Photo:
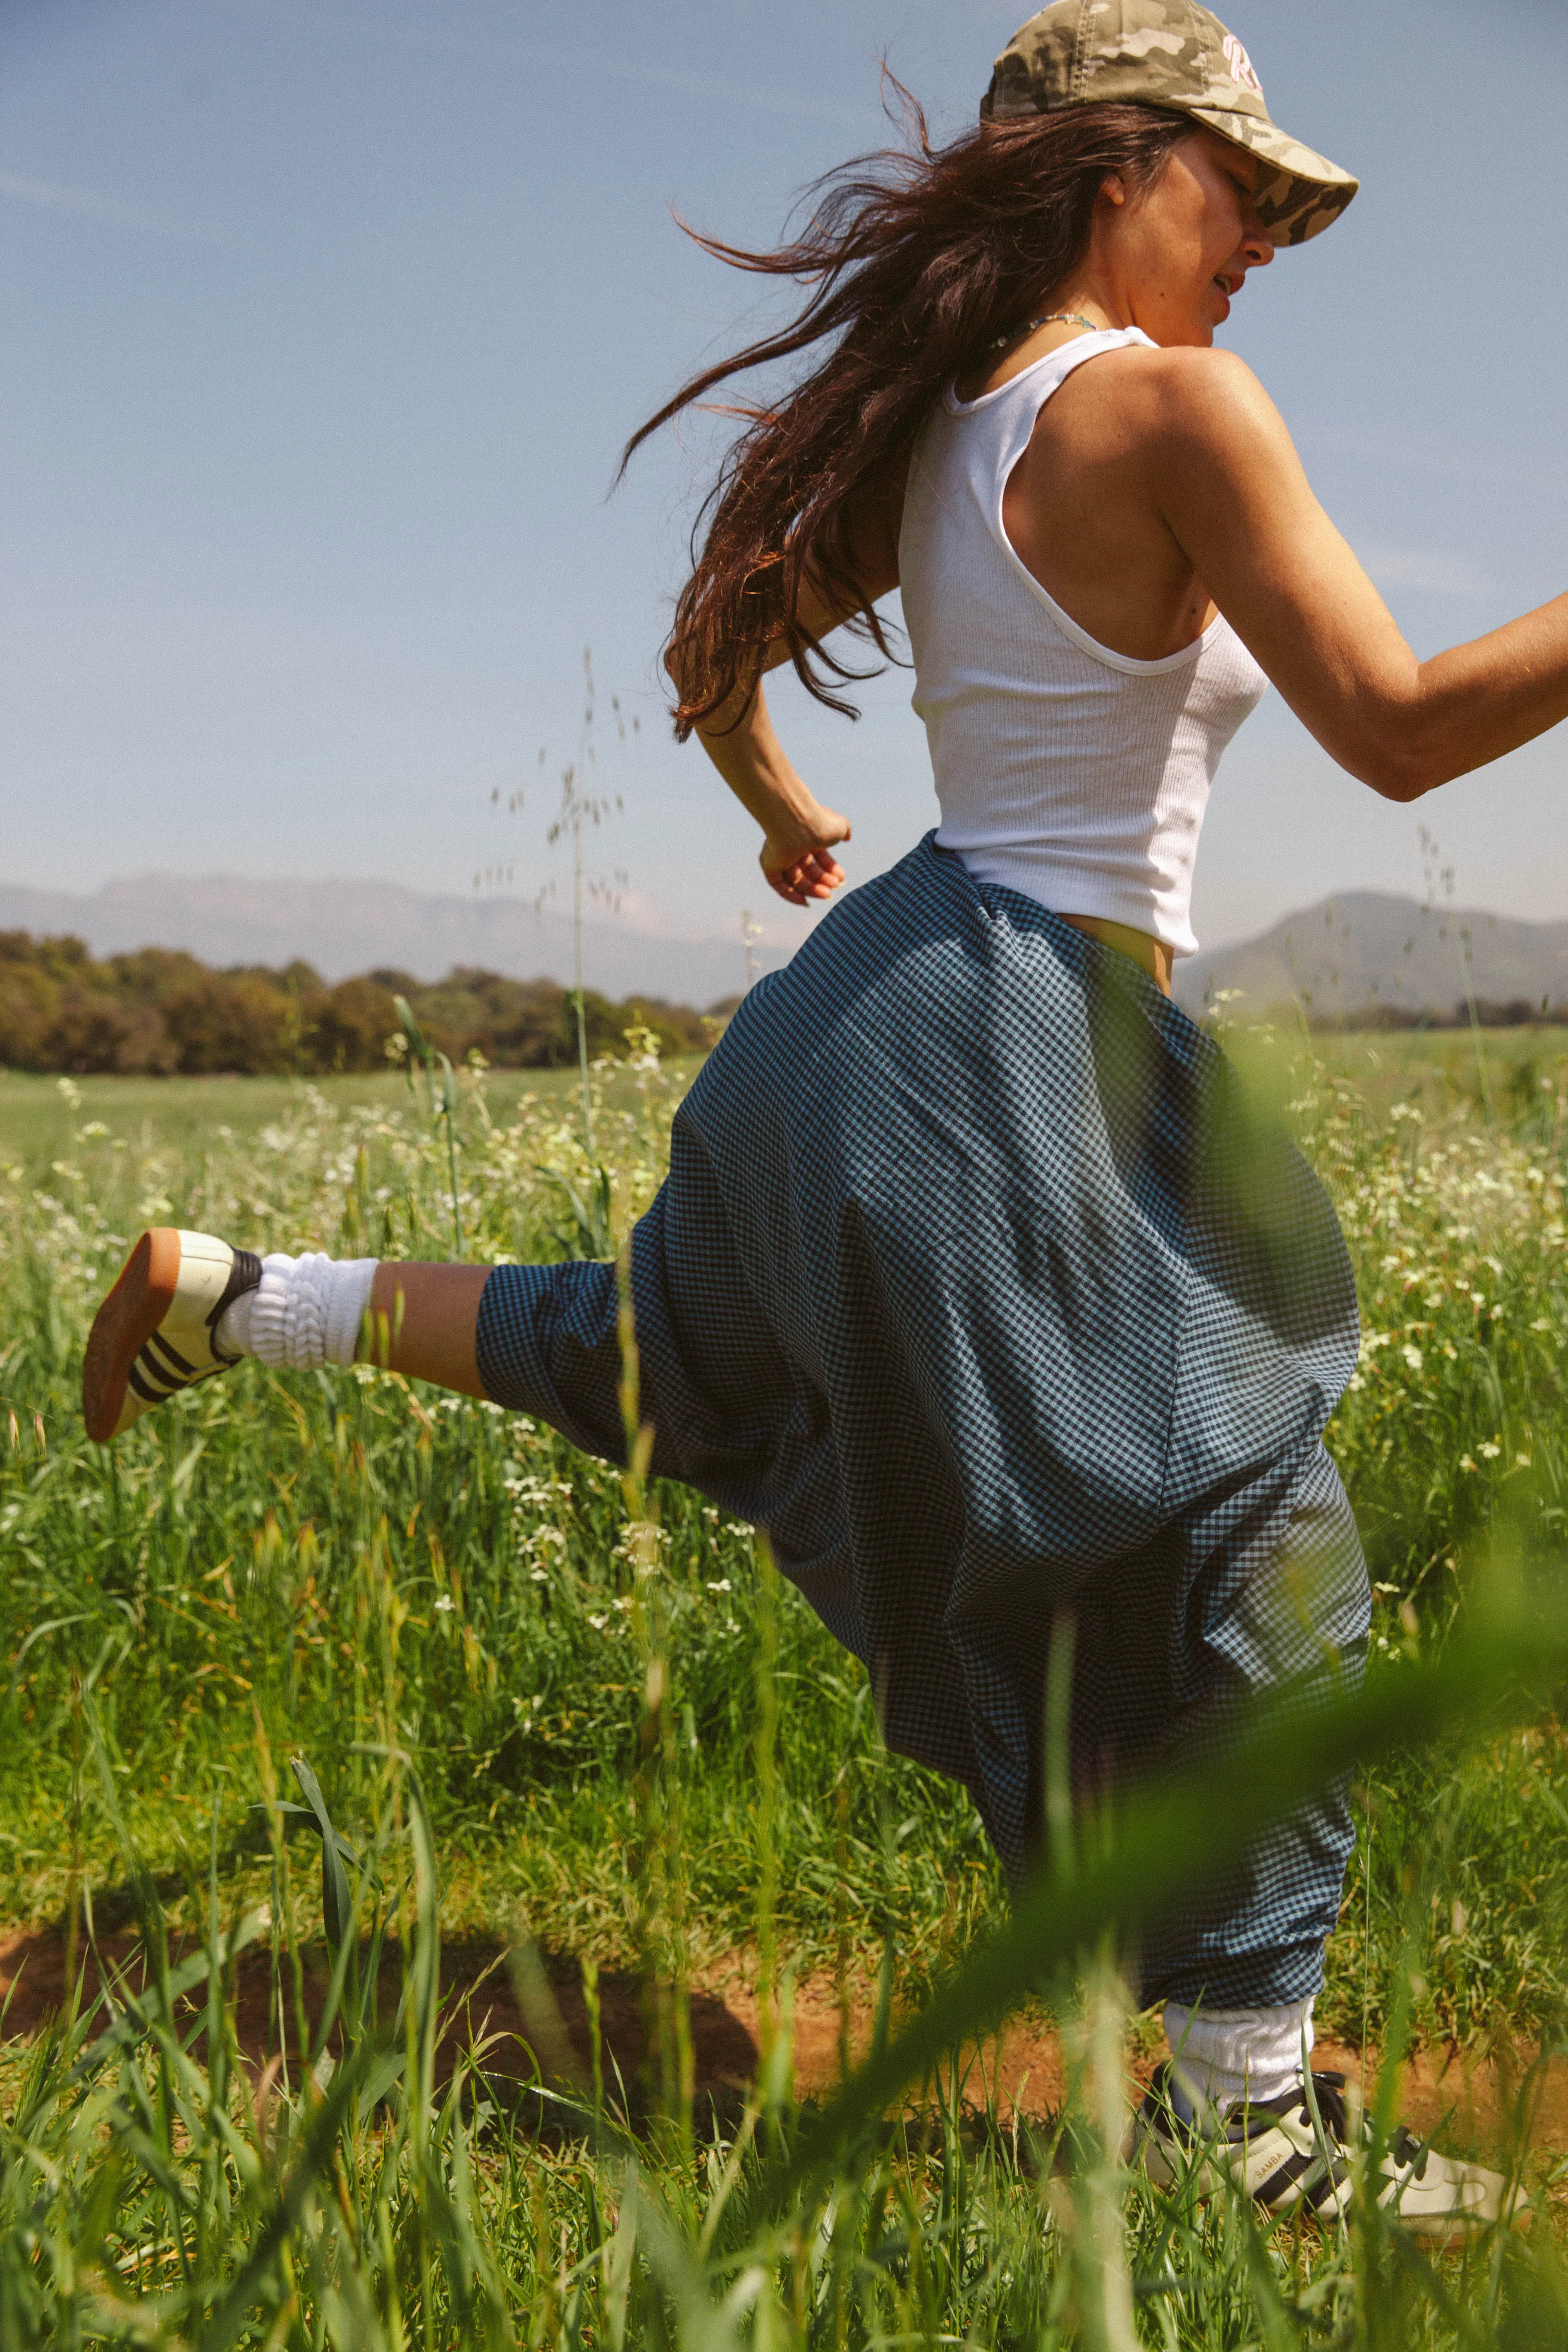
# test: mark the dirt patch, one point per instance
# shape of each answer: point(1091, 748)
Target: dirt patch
point(527, 2020)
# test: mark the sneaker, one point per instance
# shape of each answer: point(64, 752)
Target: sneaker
point(1288, 2162)
point(156, 1332)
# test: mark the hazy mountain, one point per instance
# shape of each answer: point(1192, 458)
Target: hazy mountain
point(353, 927)
point(1366, 949)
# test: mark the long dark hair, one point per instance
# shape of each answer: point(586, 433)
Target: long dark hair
point(918, 259)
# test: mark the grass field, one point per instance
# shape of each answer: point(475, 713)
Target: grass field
point(576, 1728)
point(184, 1118)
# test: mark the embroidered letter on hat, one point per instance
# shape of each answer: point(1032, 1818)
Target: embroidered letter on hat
point(1240, 64)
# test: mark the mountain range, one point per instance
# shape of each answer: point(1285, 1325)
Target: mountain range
point(1361, 948)
point(1365, 948)
point(344, 927)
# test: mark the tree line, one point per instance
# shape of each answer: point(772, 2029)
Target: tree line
point(1484, 1012)
point(160, 1012)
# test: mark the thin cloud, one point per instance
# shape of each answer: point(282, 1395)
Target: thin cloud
point(587, 65)
point(1427, 568)
point(1430, 453)
point(733, 94)
point(85, 203)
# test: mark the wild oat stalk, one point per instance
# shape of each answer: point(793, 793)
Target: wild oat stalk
point(580, 809)
point(443, 1106)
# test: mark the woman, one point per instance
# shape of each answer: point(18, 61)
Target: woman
point(970, 1281)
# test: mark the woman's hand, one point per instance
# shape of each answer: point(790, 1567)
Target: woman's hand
point(798, 833)
point(797, 858)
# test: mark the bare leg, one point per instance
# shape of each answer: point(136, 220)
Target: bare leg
point(424, 1320)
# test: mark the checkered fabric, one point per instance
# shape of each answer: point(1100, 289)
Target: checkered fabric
point(974, 1282)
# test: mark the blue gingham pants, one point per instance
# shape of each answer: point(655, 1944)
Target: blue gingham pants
point(976, 1285)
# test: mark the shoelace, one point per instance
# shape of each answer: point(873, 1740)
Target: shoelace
point(1329, 2090)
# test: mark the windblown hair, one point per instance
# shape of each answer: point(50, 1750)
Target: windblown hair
point(918, 260)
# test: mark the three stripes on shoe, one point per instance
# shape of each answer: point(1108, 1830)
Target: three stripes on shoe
point(159, 1371)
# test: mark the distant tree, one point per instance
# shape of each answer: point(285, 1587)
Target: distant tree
point(93, 1034)
point(226, 1021)
point(158, 1011)
point(1518, 1013)
point(347, 1027)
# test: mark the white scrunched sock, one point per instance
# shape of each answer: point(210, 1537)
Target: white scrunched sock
point(1225, 2054)
point(305, 1312)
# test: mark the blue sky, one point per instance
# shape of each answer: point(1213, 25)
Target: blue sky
point(323, 321)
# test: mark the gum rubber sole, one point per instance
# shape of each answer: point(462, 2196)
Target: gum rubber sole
point(122, 1326)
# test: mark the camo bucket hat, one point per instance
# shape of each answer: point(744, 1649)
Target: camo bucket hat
point(1171, 54)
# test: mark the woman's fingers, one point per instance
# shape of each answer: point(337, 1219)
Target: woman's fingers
point(809, 871)
point(813, 876)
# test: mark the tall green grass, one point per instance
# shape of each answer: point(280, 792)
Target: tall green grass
point(548, 1700)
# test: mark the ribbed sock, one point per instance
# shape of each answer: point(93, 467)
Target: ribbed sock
point(305, 1312)
point(1225, 2054)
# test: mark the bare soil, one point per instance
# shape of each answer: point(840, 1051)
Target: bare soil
point(530, 2019)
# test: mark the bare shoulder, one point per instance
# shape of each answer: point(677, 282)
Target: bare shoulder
point(1196, 399)
point(1168, 405)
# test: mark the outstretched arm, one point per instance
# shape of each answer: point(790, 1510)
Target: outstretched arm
point(799, 835)
point(1226, 476)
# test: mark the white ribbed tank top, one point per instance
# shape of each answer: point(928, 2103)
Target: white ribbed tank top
point(1072, 774)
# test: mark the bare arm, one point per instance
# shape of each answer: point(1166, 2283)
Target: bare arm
point(423, 1320)
point(1226, 476)
point(799, 834)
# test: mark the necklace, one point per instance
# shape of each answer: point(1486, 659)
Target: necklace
point(1046, 319)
